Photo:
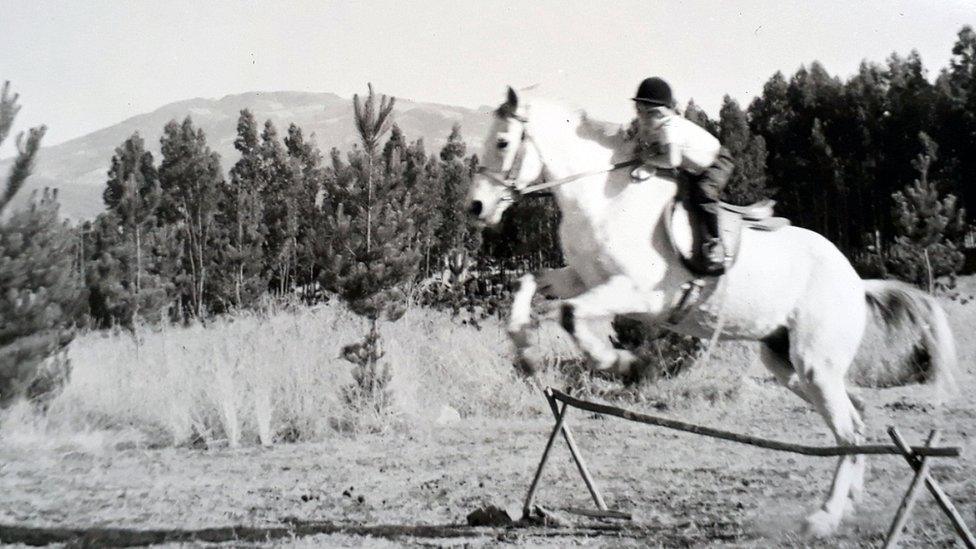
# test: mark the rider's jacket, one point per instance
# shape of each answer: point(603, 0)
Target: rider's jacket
point(692, 148)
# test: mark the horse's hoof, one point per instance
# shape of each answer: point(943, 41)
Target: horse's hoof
point(518, 334)
point(625, 367)
point(624, 363)
point(529, 361)
point(820, 524)
point(849, 505)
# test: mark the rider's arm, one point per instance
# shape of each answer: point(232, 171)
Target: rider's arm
point(667, 155)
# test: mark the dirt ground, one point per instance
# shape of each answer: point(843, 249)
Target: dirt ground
point(416, 488)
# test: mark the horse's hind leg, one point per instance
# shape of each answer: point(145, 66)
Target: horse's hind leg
point(831, 400)
point(775, 361)
point(821, 370)
point(779, 365)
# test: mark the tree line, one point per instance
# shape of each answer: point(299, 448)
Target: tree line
point(882, 164)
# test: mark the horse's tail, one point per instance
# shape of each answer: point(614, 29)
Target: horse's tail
point(900, 305)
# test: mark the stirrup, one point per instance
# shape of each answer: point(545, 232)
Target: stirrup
point(690, 295)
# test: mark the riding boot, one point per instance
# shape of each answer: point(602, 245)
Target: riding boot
point(712, 247)
point(713, 251)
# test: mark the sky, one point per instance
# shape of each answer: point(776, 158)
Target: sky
point(83, 65)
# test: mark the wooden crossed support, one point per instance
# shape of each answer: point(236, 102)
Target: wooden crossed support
point(560, 414)
point(918, 458)
point(921, 466)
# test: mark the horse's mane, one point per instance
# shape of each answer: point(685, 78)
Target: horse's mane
point(606, 133)
point(546, 113)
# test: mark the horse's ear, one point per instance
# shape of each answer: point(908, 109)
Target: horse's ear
point(512, 99)
point(510, 106)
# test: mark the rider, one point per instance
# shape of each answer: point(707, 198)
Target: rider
point(666, 140)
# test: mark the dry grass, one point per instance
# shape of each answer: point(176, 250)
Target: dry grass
point(277, 377)
point(266, 378)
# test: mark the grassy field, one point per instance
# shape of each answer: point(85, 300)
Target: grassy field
point(167, 432)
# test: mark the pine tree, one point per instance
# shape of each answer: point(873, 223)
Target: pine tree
point(282, 182)
point(396, 146)
point(125, 283)
point(422, 175)
point(192, 186)
point(697, 115)
point(26, 149)
point(404, 168)
point(836, 151)
point(367, 252)
point(909, 109)
point(861, 133)
point(242, 214)
point(456, 234)
point(41, 294)
point(799, 122)
point(824, 172)
point(104, 272)
point(927, 226)
point(748, 181)
point(955, 127)
point(307, 159)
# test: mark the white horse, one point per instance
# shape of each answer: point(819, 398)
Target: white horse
point(790, 289)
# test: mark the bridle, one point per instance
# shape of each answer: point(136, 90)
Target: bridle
point(509, 180)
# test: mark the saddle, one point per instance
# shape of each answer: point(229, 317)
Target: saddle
point(685, 227)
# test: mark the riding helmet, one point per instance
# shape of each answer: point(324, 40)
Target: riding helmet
point(655, 91)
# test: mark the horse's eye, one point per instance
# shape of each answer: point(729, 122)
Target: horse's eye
point(502, 143)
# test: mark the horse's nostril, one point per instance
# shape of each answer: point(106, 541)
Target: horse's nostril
point(475, 208)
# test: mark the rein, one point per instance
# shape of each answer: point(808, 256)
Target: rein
point(568, 179)
point(508, 179)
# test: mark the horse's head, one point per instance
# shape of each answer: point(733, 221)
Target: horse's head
point(510, 162)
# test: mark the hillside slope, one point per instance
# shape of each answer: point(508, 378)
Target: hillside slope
point(78, 167)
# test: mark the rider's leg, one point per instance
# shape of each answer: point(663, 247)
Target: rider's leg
point(706, 189)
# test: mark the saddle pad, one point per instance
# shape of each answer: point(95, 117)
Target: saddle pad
point(684, 229)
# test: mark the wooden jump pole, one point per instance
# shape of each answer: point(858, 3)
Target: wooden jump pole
point(951, 451)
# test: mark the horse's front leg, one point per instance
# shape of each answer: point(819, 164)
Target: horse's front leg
point(553, 283)
point(616, 296)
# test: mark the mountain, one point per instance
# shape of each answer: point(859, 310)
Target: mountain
point(78, 168)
